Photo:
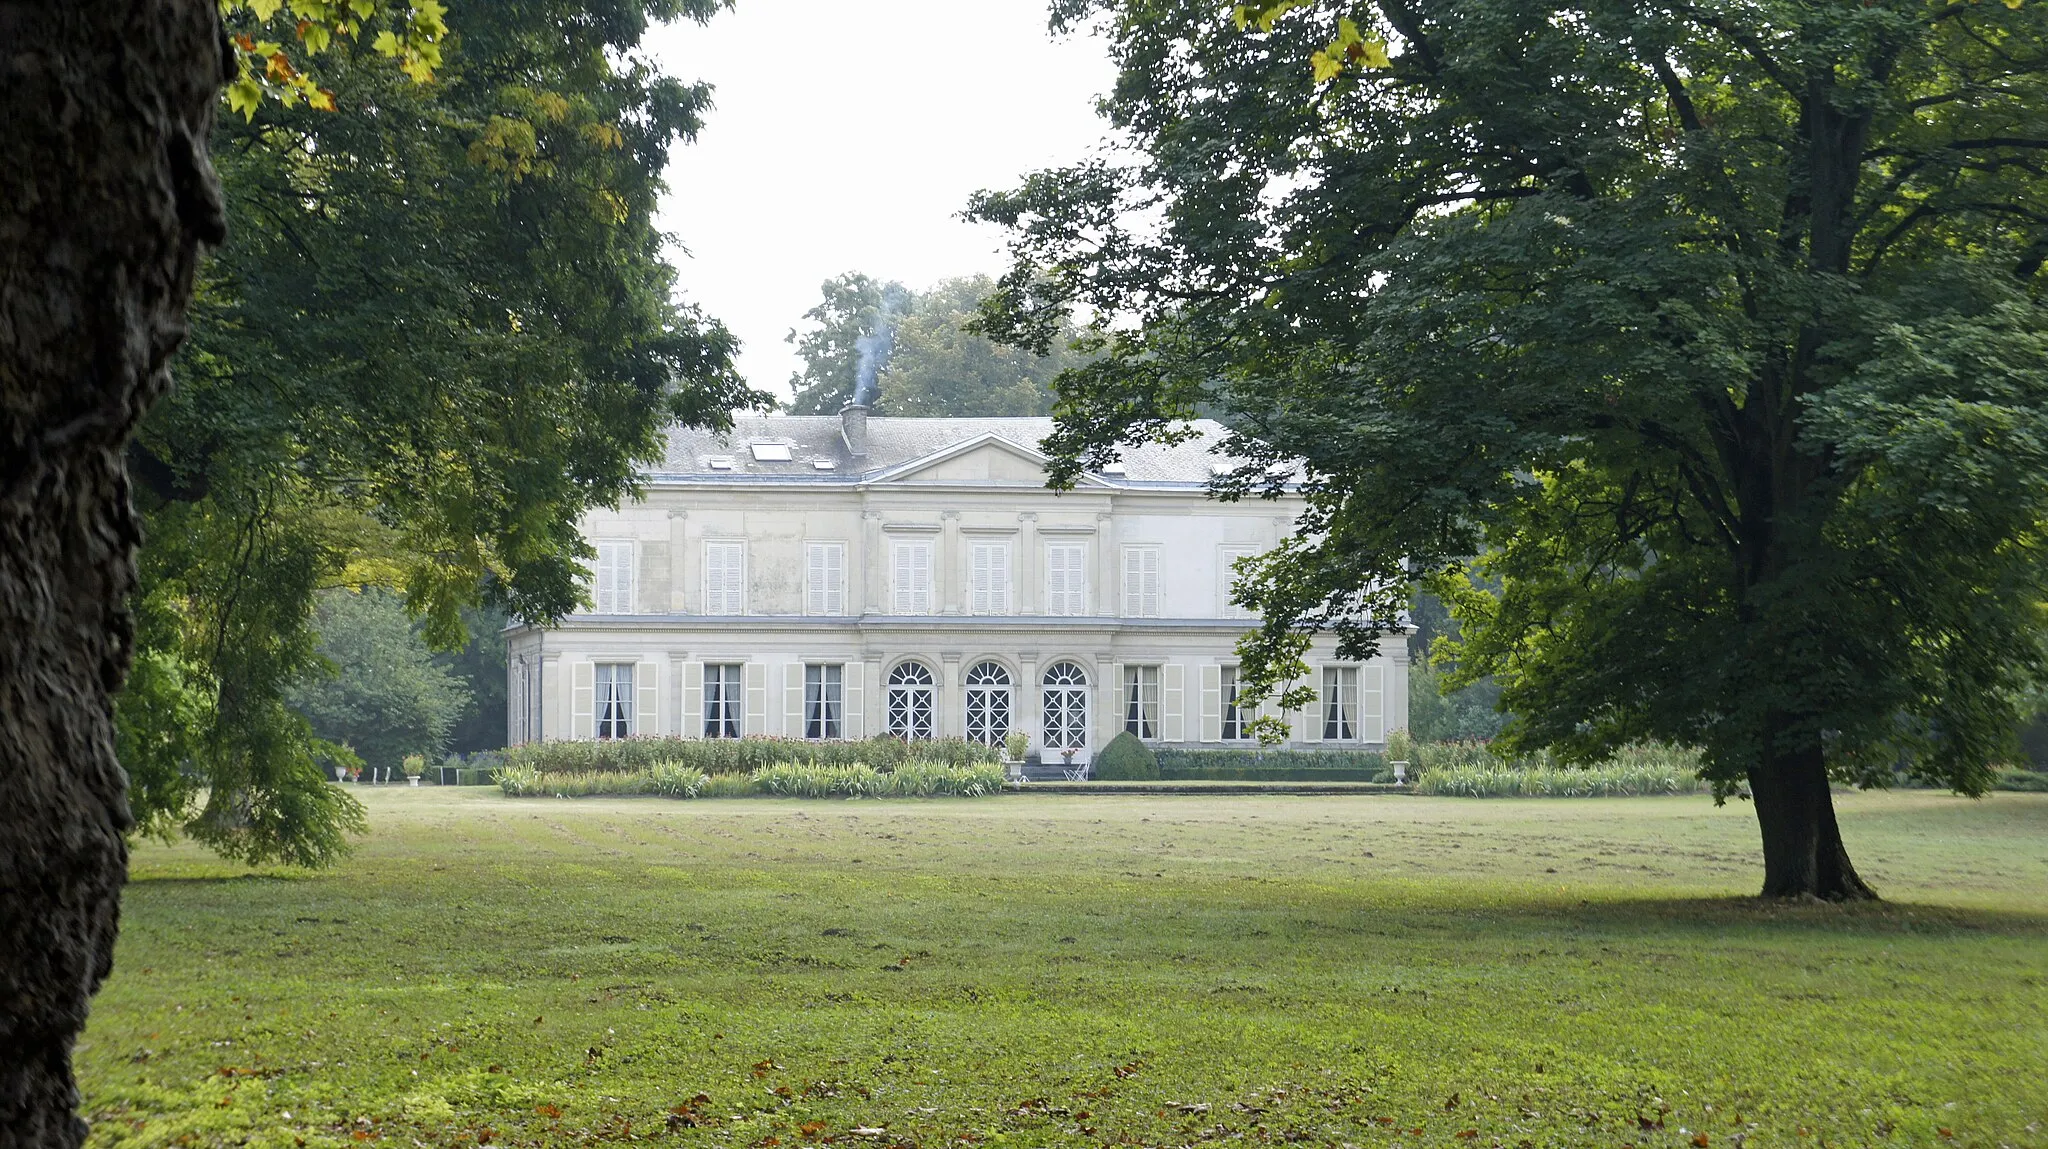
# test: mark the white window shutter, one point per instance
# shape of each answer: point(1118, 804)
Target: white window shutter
point(724, 578)
point(646, 699)
point(582, 700)
point(1312, 718)
point(922, 562)
point(1372, 723)
point(852, 724)
point(693, 700)
point(999, 579)
point(1212, 704)
point(900, 590)
point(1148, 566)
point(756, 677)
point(1133, 583)
point(1173, 726)
point(835, 579)
point(814, 579)
point(977, 601)
point(793, 700)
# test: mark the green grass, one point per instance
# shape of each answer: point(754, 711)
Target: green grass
point(1051, 969)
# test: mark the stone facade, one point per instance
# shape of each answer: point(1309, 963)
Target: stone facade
point(846, 577)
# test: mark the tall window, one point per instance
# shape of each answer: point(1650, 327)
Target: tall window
point(1066, 707)
point(723, 700)
point(1227, 577)
point(1340, 703)
point(988, 703)
point(991, 593)
point(823, 701)
point(1141, 701)
point(910, 701)
point(614, 590)
point(825, 578)
point(1066, 579)
point(614, 699)
point(725, 578)
point(1234, 721)
point(1141, 582)
point(910, 579)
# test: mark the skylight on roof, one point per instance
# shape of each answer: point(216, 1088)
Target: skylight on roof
point(771, 452)
point(1221, 469)
point(719, 462)
point(824, 464)
point(1112, 468)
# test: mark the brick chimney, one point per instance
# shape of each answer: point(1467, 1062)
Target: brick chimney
point(853, 427)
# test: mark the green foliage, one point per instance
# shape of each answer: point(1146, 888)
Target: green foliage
point(2029, 781)
point(937, 364)
point(480, 665)
point(441, 331)
point(267, 33)
point(737, 755)
point(387, 699)
point(1271, 765)
point(1439, 715)
point(1125, 759)
point(1716, 328)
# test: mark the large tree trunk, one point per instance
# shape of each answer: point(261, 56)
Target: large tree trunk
point(1803, 852)
point(105, 197)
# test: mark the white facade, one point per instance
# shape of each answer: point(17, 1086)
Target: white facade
point(813, 577)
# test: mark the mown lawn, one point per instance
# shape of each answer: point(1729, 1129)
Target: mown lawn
point(1097, 970)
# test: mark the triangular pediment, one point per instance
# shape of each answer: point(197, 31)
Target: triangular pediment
point(986, 459)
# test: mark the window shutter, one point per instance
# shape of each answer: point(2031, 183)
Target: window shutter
point(1212, 704)
point(582, 700)
point(793, 700)
point(852, 719)
point(693, 700)
point(1056, 580)
point(999, 579)
point(1173, 726)
point(724, 578)
point(1148, 585)
point(1113, 691)
point(646, 699)
point(756, 677)
point(900, 587)
point(1372, 726)
point(1133, 583)
point(814, 579)
point(835, 579)
point(921, 572)
point(1312, 718)
point(978, 596)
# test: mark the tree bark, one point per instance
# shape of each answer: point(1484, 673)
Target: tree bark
point(1803, 852)
point(105, 197)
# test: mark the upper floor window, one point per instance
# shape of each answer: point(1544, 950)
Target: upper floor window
point(991, 582)
point(1066, 579)
point(1141, 701)
point(910, 579)
point(614, 699)
point(1226, 577)
point(1235, 722)
point(614, 589)
point(825, 578)
point(723, 700)
point(1141, 582)
point(1340, 703)
point(725, 578)
point(824, 700)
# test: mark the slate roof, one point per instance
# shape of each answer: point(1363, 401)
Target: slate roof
point(895, 442)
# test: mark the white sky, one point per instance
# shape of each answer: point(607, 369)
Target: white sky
point(847, 136)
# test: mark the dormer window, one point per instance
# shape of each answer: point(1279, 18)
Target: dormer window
point(770, 452)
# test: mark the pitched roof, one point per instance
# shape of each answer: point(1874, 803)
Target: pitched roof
point(893, 443)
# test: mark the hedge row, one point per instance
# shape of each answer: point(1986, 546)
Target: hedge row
point(736, 755)
point(916, 778)
point(1273, 766)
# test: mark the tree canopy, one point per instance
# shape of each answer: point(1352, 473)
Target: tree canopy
point(1714, 327)
point(442, 330)
point(387, 696)
point(933, 362)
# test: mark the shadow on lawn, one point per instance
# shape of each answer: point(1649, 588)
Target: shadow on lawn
point(1724, 913)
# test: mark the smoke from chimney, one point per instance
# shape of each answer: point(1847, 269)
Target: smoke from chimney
point(875, 346)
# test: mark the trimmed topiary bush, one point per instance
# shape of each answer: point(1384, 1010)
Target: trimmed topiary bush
point(1126, 759)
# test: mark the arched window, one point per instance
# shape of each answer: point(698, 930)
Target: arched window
point(910, 701)
point(988, 703)
point(1066, 707)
